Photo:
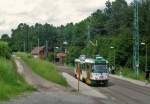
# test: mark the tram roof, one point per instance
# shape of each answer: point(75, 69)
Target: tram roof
point(90, 60)
point(87, 60)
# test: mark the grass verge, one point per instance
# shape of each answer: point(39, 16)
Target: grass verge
point(11, 83)
point(129, 73)
point(44, 69)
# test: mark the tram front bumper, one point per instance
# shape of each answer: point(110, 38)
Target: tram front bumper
point(98, 82)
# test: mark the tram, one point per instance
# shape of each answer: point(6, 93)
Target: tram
point(92, 71)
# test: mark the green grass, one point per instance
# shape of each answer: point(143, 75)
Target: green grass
point(44, 69)
point(11, 83)
point(129, 73)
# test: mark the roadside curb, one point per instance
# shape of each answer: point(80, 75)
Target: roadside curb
point(84, 89)
point(137, 82)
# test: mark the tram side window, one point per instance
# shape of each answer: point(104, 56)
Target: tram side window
point(82, 66)
point(88, 67)
point(76, 65)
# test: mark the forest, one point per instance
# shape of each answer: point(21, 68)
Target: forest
point(105, 28)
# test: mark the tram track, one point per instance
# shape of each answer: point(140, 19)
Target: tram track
point(125, 92)
point(120, 91)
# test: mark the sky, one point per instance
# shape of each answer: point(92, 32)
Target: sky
point(56, 12)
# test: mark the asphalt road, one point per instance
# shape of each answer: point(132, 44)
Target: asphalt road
point(123, 92)
point(120, 91)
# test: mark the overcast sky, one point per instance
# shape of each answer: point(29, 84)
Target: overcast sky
point(57, 12)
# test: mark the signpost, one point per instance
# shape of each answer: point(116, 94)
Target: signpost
point(78, 77)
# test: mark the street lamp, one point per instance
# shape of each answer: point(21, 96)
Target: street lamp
point(65, 43)
point(112, 47)
point(114, 56)
point(143, 43)
point(55, 48)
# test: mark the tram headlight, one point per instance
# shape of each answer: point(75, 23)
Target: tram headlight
point(105, 76)
point(92, 76)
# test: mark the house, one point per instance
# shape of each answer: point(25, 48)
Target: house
point(60, 56)
point(38, 52)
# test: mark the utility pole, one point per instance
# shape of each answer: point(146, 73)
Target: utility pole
point(46, 50)
point(146, 69)
point(24, 46)
point(27, 40)
point(145, 44)
point(38, 41)
point(136, 39)
point(88, 33)
point(114, 57)
point(38, 48)
point(31, 47)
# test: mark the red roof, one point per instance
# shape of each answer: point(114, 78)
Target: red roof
point(36, 50)
point(61, 54)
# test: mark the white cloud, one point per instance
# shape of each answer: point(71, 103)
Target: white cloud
point(57, 12)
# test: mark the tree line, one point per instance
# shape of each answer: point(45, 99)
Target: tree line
point(110, 27)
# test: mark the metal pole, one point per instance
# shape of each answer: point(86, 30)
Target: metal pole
point(114, 58)
point(136, 39)
point(31, 47)
point(78, 77)
point(46, 50)
point(38, 48)
point(88, 33)
point(145, 56)
point(27, 41)
point(24, 46)
point(54, 54)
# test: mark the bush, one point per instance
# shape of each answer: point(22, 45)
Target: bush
point(51, 57)
point(4, 50)
point(130, 73)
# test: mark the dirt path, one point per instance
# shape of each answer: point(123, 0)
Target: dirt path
point(33, 79)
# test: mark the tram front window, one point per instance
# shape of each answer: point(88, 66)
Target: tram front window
point(99, 69)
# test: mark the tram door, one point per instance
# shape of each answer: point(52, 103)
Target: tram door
point(88, 71)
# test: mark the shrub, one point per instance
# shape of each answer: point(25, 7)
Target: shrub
point(4, 50)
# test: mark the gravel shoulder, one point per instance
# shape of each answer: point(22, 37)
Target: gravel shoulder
point(83, 88)
point(137, 82)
